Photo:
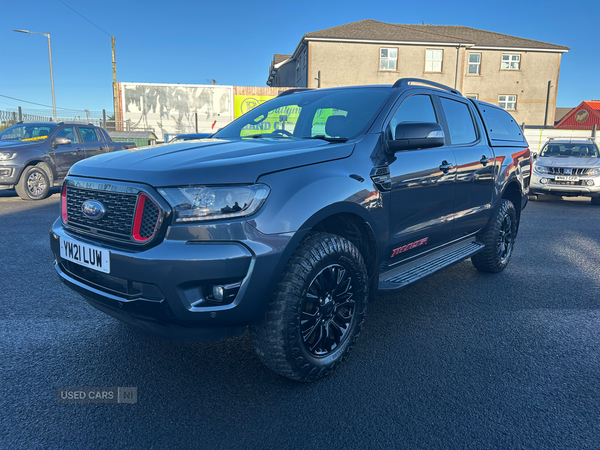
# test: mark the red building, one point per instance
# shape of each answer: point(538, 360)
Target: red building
point(582, 117)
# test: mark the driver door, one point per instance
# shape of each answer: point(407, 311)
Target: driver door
point(66, 155)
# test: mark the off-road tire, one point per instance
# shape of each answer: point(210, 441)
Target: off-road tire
point(278, 337)
point(595, 200)
point(495, 256)
point(35, 182)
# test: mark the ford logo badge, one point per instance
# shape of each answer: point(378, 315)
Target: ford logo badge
point(93, 209)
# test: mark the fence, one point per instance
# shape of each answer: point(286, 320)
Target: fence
point(99, 118)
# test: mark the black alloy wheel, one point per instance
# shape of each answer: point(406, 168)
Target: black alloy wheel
point(327, 310)
point(505, 239)
point(317, 310)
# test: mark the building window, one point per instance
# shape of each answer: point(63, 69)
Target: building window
point(508, 102)
point(388, 59)
point(511, 62)
point(298, 69)
point(304, 58)
point(434, 60)
point(474, 64)
point(473, 96)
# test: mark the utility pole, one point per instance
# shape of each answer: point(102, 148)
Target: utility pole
point(51, 74)
point(115, 90)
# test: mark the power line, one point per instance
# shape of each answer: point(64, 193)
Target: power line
point(38, 104)
point(84, 17)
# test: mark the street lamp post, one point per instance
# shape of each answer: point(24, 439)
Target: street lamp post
point(51, 75)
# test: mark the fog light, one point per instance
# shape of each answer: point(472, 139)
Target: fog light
point(544, 181)
point(224, 293)
point(218, 293)
point(590, 182)
point(5, 172)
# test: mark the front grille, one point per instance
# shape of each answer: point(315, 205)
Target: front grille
point(118, 221)
point(566, 183)
point(574, 171)
point(149, 219)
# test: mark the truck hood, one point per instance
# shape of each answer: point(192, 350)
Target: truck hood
point(551, 161)
point(210, 161)
point(18, 145)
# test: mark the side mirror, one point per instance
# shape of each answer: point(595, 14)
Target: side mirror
point(60, 141)
point(415, 135)
point(534, 156)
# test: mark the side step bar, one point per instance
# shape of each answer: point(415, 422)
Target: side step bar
point(427, 265)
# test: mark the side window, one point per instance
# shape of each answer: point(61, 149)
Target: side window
point(88, 134)
point(500, 125)
point(417, 108)
point(460, 122)
point(69, 133)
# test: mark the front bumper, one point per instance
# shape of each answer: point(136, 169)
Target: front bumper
point(552, 188)
point(165, 290)
point(9, 174)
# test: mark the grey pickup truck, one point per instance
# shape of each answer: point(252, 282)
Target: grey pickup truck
point(290, 219)
point(35, 156)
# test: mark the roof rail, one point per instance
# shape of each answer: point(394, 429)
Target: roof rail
point(291, 91)
point(407, 81)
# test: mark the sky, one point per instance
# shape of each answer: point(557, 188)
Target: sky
point(233, 41)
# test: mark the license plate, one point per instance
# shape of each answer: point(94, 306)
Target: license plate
point(565, 178)
point(85, 255)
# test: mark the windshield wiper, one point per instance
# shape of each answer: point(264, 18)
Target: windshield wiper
point(270, 136)
point(327, 138)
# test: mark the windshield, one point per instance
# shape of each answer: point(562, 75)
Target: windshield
point(575, 150)
point(339, 114)
point(27, 132)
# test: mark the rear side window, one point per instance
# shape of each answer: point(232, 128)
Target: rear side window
point(460, 122)
point(88, 134)
point(500, 125)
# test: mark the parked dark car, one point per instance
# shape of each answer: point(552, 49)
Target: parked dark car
point(35, 156)
point(293, 216)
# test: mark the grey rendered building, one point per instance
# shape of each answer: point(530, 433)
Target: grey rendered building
point(508, 71)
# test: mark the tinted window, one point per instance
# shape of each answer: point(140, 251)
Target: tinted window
point(460, 121)
point(88, 134)
point(69, 133)
point(499, 124)
point(417, 108)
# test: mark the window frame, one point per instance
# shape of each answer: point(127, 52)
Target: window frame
point(434, 60)
point(469, 63)
point(387, 58)
point(510, 61)
point(473, 98)
point(298, 70)
point(507, 101)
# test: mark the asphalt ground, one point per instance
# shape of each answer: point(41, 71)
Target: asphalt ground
point(458, 361)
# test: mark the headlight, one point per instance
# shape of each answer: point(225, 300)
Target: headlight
point(594, 172)
point(5, 156)
point(199, 203)
point(540, 169)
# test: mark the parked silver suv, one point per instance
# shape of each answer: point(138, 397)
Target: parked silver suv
point(567, 167)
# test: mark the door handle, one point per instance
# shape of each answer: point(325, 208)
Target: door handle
point(446, 166)
point(484, 160)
